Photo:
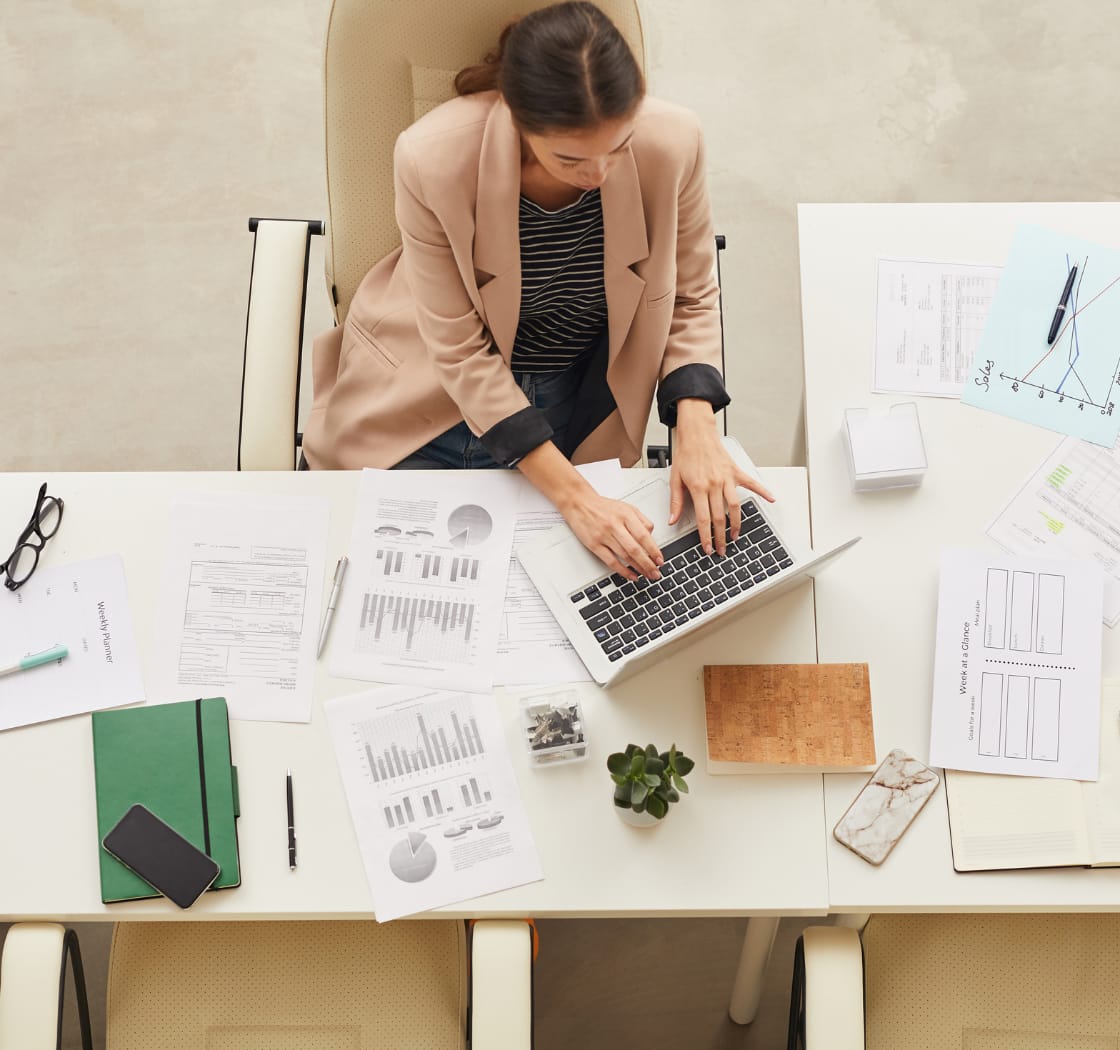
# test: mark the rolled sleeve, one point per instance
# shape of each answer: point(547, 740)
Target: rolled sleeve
point(698, 380)
point(516, 436)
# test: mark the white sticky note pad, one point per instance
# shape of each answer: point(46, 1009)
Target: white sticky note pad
point(885, 447)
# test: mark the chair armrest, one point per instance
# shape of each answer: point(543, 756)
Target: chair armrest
point(833, 989)
point(274, 343)
point(501, 985)
point(31, 972)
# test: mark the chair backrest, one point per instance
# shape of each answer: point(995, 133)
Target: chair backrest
point(387, 63)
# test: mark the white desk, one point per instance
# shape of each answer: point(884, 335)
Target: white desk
point(878, 603)
point(734, 846)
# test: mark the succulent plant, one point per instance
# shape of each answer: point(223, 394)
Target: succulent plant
point(647, 781)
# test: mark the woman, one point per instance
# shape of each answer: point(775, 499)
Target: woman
point(556, 267)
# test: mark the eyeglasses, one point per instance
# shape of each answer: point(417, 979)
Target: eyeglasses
point(23, 561)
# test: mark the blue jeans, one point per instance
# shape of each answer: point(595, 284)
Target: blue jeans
point(458, 448)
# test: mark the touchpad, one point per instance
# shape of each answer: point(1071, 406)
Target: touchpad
point(652, 499)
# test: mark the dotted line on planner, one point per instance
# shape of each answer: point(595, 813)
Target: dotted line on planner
point(1023, 663)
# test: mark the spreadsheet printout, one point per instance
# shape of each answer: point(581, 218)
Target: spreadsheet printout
point(532, 647)
point(238, 609)
point(1069, 507)
point(928, 320)
point(1017, 665)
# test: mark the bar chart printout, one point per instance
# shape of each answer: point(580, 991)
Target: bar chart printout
point(403, 625)
point(431, 748)
point(433, 796)
point(423, 598)
point(1017, 669)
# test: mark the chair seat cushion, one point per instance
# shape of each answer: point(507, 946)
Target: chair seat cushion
point(992, 982)
point(287, 986)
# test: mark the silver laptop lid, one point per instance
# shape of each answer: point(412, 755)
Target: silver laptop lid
point(580, 592)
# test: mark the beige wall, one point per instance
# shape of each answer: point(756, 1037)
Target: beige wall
point(136, 139)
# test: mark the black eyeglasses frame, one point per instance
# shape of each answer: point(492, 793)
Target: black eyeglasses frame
point(33, 530)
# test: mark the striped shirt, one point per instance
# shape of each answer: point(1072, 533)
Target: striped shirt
point(563, 300)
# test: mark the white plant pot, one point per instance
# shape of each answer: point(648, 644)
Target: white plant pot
point(637, 820)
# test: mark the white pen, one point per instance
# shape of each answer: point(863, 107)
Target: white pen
point(58, 652)
point(332, 601)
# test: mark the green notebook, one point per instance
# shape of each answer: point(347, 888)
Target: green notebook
point(175, 759)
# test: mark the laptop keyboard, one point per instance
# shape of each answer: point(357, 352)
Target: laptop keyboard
point(625, 615)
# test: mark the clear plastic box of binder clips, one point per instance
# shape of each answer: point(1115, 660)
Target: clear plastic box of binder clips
point(553, 727)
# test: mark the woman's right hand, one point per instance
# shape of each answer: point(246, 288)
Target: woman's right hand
point(618, 534)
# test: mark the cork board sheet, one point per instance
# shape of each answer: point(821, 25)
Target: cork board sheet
point(794, 716)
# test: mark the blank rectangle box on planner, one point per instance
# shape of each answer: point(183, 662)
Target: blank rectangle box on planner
point(1051, 613)
point(995, 611)
point(1018, 712)
point(991, 713)
point(1047, 708)
point(1022, 612)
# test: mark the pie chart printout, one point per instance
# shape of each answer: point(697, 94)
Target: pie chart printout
point(469, 526)
point(412, 859)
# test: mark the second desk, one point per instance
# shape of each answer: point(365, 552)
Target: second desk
point(879, 602)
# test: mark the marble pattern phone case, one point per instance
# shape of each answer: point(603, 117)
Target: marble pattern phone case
point(885, 806)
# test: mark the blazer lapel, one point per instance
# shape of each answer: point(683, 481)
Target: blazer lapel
point(624, 243)
point(497, 245)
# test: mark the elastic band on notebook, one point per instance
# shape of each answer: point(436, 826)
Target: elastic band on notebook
point(202, 775)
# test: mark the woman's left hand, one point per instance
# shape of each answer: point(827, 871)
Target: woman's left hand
point(705, 469)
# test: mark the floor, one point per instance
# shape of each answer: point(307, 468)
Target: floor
point(139, 137)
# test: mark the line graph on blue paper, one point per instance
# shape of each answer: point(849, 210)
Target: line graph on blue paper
point(1072, 385)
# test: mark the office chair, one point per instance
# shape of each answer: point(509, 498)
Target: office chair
point(965, 982)
point(386, 64)
point(345, 985)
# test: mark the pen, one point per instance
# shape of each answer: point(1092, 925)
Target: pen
point(291, 824)
point(47, 656)
point(1060, 312)
point(332, 601)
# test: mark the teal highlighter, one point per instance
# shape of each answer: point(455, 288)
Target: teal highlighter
point(47, 656)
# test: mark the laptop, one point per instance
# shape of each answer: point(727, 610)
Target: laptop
point(619, 627)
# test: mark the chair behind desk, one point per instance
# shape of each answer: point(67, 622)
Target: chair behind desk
point(407, 985)
point(959, 982)
point(386, 64)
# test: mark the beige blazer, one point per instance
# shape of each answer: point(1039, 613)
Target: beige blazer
point(429, 335)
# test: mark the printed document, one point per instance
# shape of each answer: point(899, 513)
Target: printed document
point(83, 606)
point(1017, 668)
point(422, 602)
point(238, 612)
point(433, 796)
point(928, 320)
point(1070, 508)
point(532, 648)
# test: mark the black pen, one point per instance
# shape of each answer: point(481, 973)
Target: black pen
point(291, 825)
point(1060, 312)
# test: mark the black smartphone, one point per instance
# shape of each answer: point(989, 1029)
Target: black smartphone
point(161, 856)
